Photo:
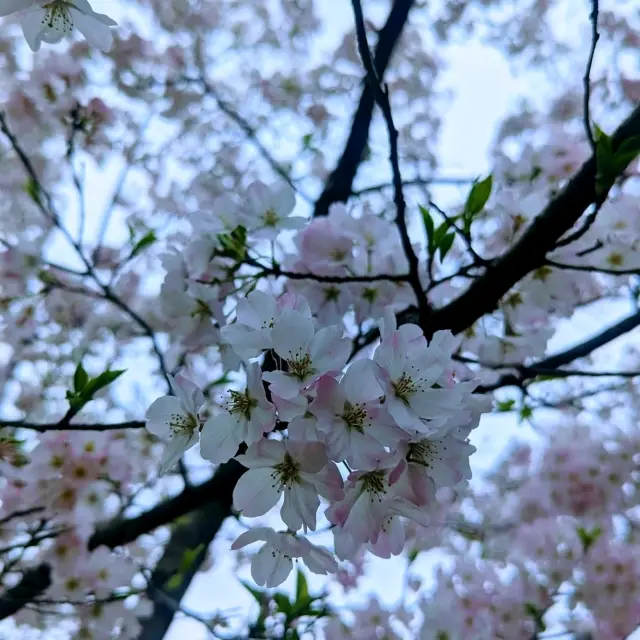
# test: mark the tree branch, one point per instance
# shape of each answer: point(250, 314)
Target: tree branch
point(217, 490)
point(339, 184)
point(528, 253)
point(381, 97)
point(34, 582)
point(57, 426)
point(552, 364)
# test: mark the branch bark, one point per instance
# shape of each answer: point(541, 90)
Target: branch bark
point(34, 582)
point(529, 252)
point(339, 184)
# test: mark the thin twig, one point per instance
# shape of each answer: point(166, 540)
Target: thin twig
point(595, 36)
point(57, 426)
point(381, 97)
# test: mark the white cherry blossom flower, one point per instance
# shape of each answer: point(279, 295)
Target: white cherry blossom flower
point(272, 564)
point(268, 209)
point(246, 417)
point(350, 415)
point(308, 354)
point(255, 317)
point(290, 467)
point(51, 21)
point(175, 419)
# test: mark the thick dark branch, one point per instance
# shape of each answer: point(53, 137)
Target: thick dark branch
point(529, 252)
point(195, 533)
point(552, 364)
point(217, 490)
point(34, 582)
point(339, 184)
point(57, 426)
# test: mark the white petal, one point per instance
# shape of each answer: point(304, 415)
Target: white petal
point(292, 334)
point(97, 33)
point(32, 28)
point(269, 567)
point(251, 536)
point(11, 6)
point(175, 449)
point(159, 415)
point(256, 492)
point(220, 438)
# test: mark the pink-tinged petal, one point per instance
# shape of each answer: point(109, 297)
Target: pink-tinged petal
point(391, 540)
point(282, 384)
point(256, 493)
point(291, 408)
point(253, 535)
point(365, 518)
point(220, 438)
point(328, 483)
point(304, 430)
point(311, 456)
point(270, 569)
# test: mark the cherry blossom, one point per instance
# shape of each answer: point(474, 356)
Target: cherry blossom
point(292, 468)
point(308, 353)
point(246, 416)
point(273, 563)
point(51, 21)
point(176, 419)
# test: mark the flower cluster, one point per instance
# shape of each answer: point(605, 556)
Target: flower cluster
point(397, 424)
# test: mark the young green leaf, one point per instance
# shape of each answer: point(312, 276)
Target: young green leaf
point(100, 382)
point(478, 196)
point(429, 227)
point(146, 241)
point(80, 378)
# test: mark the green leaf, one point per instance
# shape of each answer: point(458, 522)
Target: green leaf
point(537, 615)
point(478, 196)
point(258, 595)
point(189, 557)
point(284, 606)
point(605, 165)
point(302, 588)
point(100, 382)
point(174, 582)
point(445, 245)
point(505, 405)
point(234, 244)
point(588, 538)
point(626, 153)
point(429, 228)
point(525, 413)
point(146, 241)
point(306, 140)
point(80, 378)
point(33, 190)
